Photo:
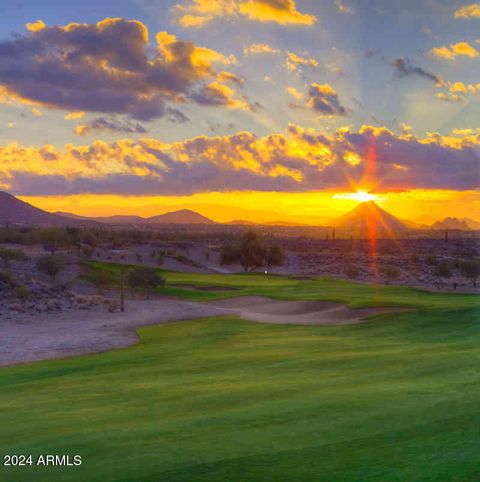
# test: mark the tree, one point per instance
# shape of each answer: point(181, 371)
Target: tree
point(50, 264)
point(471, 270)
point(229, 254)
point(73, 235)
point(52, 239)
point(145, 279)
point(252, 252)
point(442, 271)
point(390, 273)
point(275, 256)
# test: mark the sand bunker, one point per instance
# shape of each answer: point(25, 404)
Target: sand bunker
point(50, 336)
point(266, 310)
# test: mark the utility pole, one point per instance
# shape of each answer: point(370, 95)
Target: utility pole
point(446, 236)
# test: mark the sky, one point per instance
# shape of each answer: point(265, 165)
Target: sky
point(262, 110)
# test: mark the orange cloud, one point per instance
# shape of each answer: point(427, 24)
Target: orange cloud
point(455, 50)
point(294, 161)
point(260, 49)
point(294, 61)
point(74, 115)
point(198, 13)
point(468, 11)
point(35, 26)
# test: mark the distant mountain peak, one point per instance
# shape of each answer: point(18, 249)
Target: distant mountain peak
point(16, 211)
point(451, 223)
point(369, 220)
point(182, 216)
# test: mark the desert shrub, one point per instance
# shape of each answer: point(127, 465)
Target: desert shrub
point(390, 273)
point(7, 255)
point(430, 260)
point(7, 279)
point(145, 279)
point(23, 292)
point(352, 271)
point(50, 265)
point(100, 279)
point(471, 270)
point(87, 252)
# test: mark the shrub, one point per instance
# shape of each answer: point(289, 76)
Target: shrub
point(145, 279)
point(50, 264)
point(471, 270)
point(23, 292)
point(352, 271)
point(7, 255)
point(7, 279)
point(100, 279)
point(390, 273)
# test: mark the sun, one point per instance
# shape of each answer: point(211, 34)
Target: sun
point(360, 196)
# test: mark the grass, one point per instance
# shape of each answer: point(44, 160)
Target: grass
point(355, 295)
point(221, 399)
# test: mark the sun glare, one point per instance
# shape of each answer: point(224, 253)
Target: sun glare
point(361, 196)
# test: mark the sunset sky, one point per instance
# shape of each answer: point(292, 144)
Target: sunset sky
point(261, 110)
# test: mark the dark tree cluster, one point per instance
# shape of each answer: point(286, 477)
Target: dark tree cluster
point(251, 253)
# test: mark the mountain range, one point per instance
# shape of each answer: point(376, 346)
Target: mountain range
point(364, 220)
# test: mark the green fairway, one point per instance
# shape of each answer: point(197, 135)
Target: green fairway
point(393, 399)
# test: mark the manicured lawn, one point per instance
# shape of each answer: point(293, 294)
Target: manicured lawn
point(355, 295)
point(394, 399)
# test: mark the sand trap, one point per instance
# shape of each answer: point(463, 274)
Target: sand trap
point(79, 332)
point(266, 310)
point(204, 288)
point(50, 336)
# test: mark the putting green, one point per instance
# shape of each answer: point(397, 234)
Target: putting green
point(394, 399)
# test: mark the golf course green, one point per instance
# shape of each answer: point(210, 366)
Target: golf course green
point(223, 399)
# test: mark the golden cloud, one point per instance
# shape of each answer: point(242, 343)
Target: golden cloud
point(198, 13)
point(455, 50)
point(260, 49)
point(294, 61)
point(468, 11)
point(294, 161)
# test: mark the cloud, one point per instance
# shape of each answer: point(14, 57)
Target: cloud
point(468, 11)
point(294, 61)
point(403, 68)
point(103, 124)
point(324, 100)
point(217, 94)
point(295, 93)
point(107, 67)
point(198, 13)
point(454, 51)
point(449, 97)
point(260, 49)
point(297, 160)
point(74, 115)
